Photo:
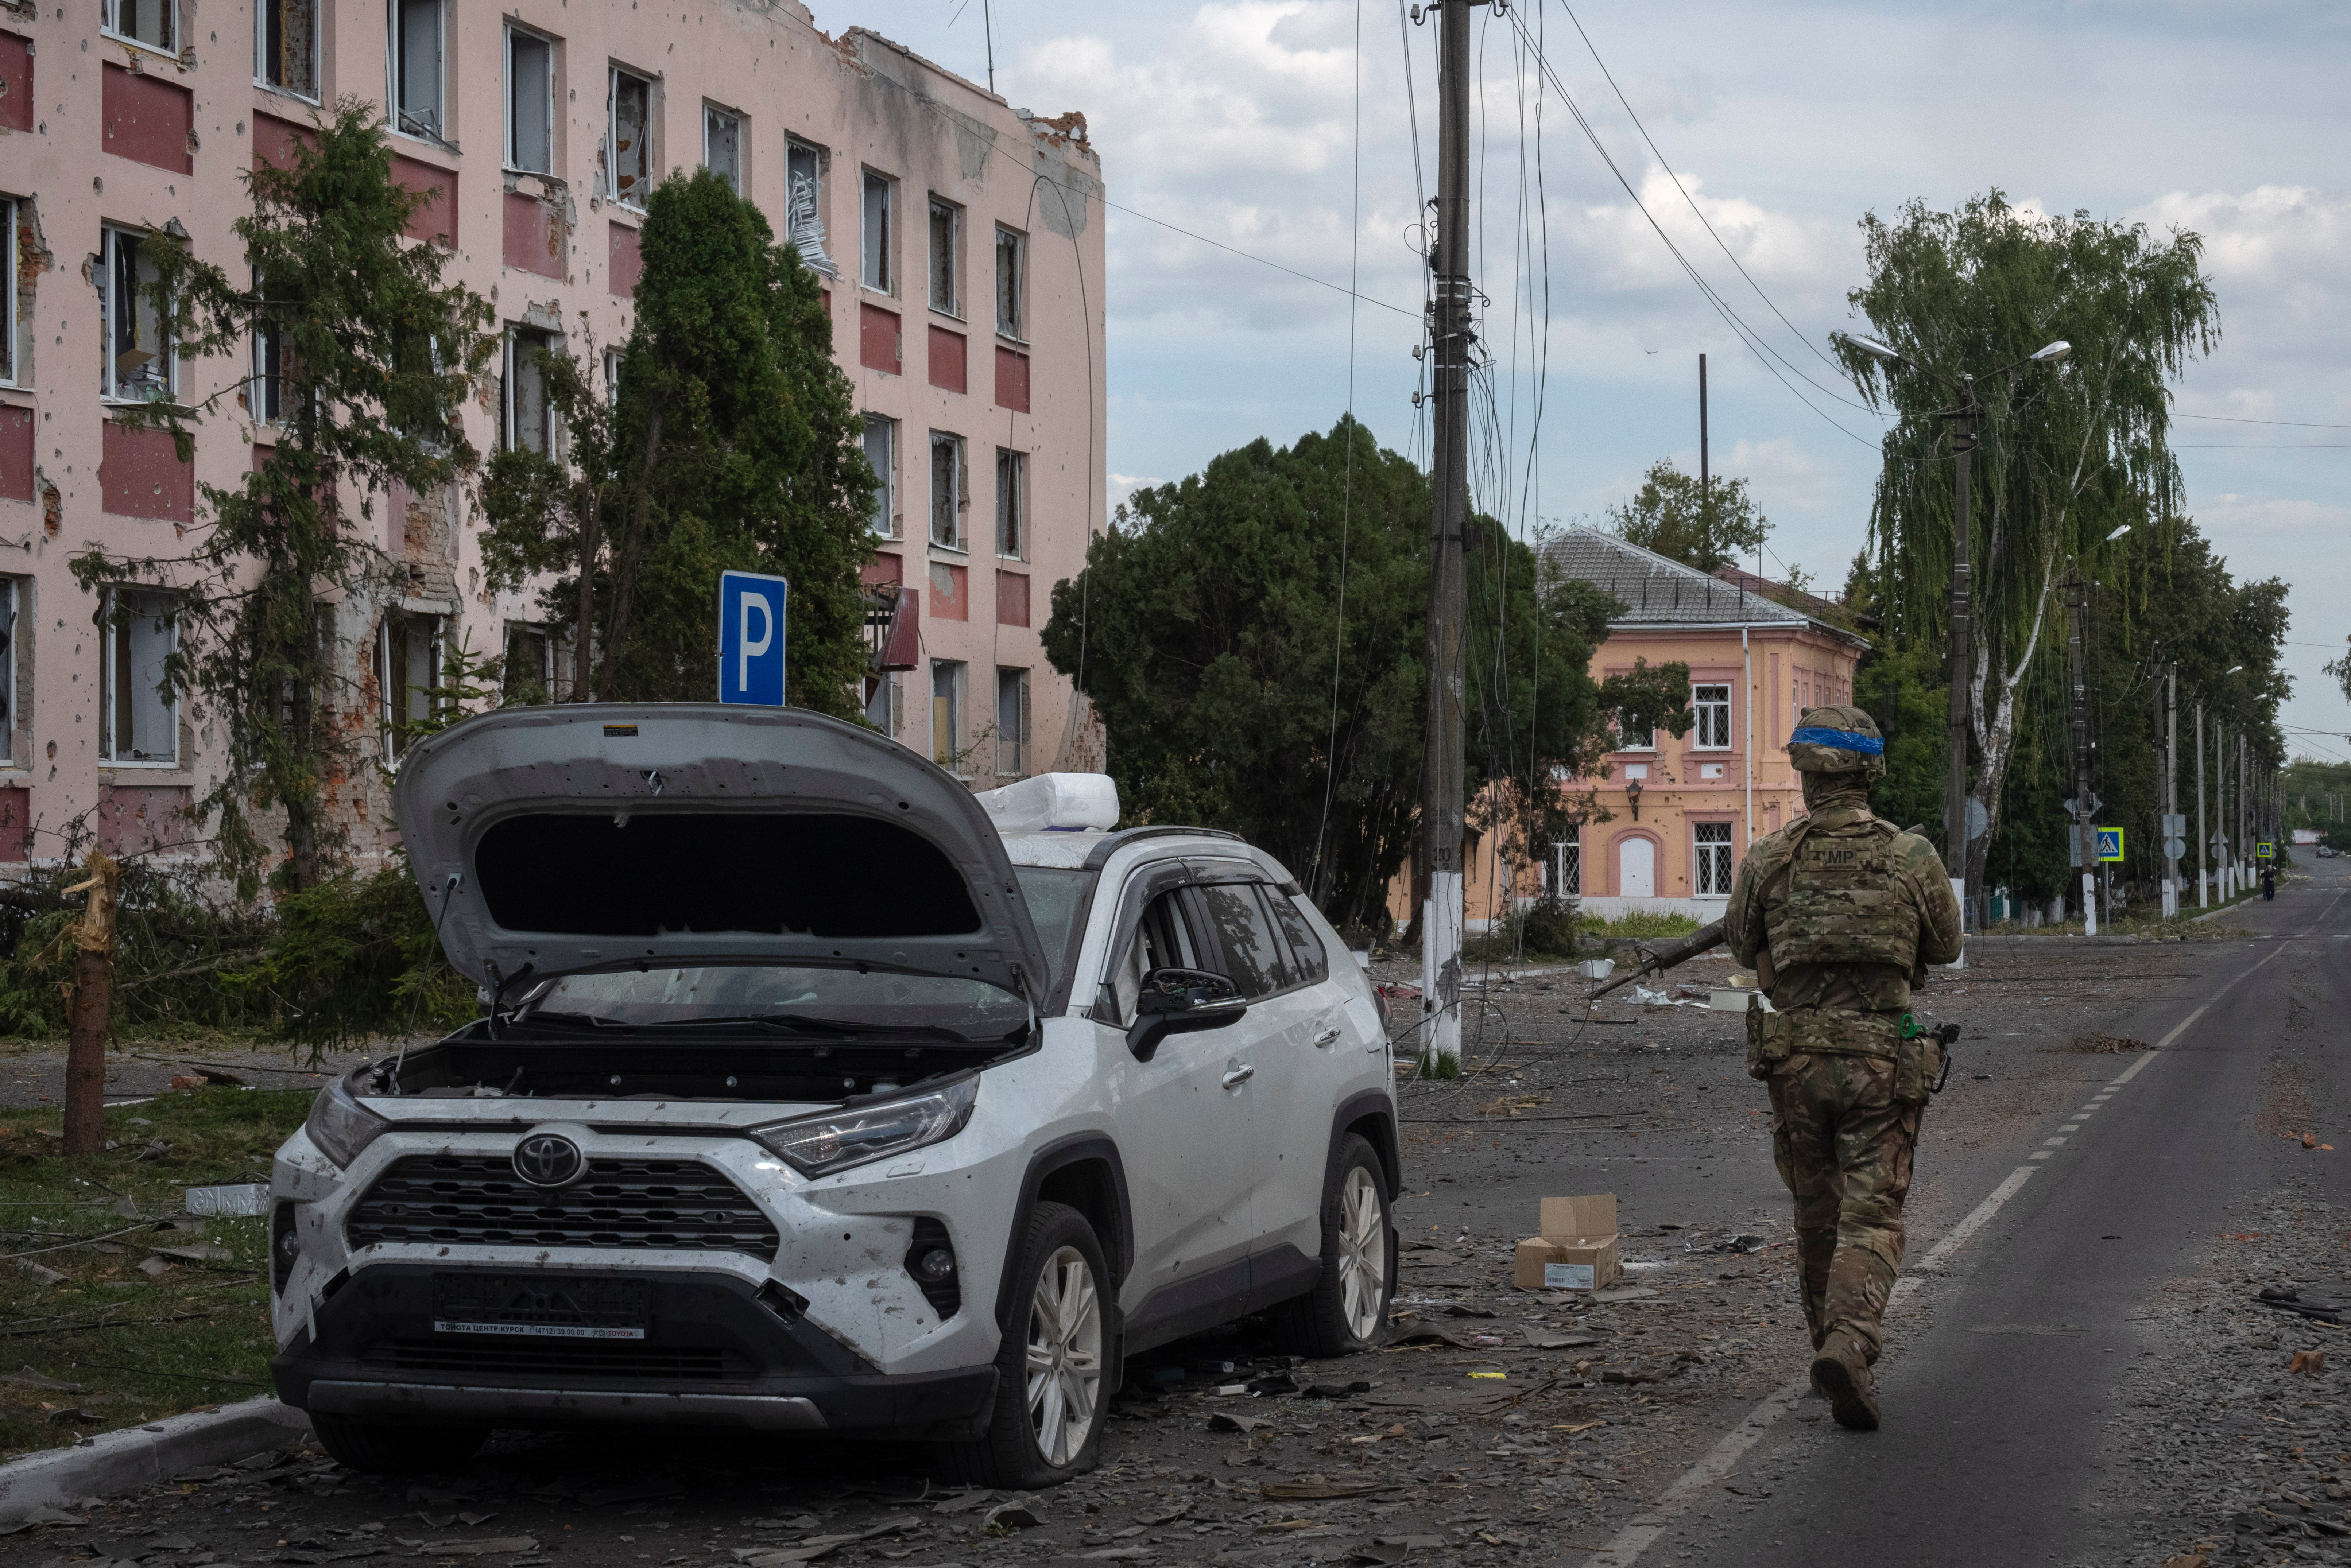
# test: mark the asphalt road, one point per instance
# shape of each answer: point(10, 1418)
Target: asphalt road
point(2004, 1372)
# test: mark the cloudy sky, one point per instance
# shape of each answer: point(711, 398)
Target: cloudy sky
point(1239, 121)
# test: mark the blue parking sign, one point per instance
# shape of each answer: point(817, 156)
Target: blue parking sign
point(751, 638)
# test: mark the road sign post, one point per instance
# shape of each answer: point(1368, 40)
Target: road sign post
point(751, 638)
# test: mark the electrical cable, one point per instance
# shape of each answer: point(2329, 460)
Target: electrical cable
point(1347, 487)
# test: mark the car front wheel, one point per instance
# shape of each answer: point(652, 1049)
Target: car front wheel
point(1347, 1311)
point(1049, 1397)
point(389, 1449)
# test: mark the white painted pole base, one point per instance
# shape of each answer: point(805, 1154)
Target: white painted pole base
point(1440, 969)
point(2089, 903)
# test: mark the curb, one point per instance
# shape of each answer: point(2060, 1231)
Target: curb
point(116, 1462)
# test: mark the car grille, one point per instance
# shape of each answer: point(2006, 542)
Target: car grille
point(476, 1200)
point(560, 1359)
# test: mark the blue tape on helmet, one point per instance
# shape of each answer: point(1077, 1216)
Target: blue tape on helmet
point(1843, 739)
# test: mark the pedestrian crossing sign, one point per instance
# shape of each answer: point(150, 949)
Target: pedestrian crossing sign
point(2266, 851)
point(2110, 844)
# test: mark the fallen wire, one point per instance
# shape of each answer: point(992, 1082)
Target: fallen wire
point(78, 1365)
point(11, 1331)
point(86, 1241)
point(227, 1066)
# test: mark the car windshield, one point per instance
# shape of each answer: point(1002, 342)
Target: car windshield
point(1055, 897)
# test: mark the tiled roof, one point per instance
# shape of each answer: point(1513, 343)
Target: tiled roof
point(1657, 592)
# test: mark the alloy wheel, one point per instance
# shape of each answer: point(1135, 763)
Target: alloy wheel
point(1363, 1254)
point(1065, 1355)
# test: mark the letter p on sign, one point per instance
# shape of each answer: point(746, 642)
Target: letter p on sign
point(751, 638)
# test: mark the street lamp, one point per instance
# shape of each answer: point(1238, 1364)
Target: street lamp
point(1963, 445)
point(2118, 533)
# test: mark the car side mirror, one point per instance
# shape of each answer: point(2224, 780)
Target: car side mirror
point(1181, 1001)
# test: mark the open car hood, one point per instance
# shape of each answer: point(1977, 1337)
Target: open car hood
point(591, 835)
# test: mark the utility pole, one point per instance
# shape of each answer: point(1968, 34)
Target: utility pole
point(2170, 793)
point(2086, 831)
point(1955, 786)
point(1442, 766)
point(1704, 480)
point(2203, 832)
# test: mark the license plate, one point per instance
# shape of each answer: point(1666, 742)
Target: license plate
point(538, 1307)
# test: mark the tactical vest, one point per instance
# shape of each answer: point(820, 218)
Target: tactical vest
point(1842, 908)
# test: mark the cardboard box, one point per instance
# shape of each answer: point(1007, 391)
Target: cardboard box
point(1577, 1250)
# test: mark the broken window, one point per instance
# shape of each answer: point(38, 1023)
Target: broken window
point(142, 712)
point(1633, 736)
point(804, 204)
point(1011, 270)
point(8, 275)
point(946, 240)
point(1012, 723)
point(269, 374)
point(155, 23)
point(1712, 879)
point(946, 712)
point(1011, 501)
point(875, 269)
point(721, 144)
point(947, 490)
point(612, 358)
point(882, 453)
point(136, 364)
point(407, 668)
point(881, 703)
point(628, 148)
point(530, 418)
point(8, 590)
point(531, 102)
point(1710, 705)
point(527, 674)
point(288, 42)
point(416, 77)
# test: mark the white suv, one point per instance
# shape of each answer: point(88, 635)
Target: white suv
point(814, 1093)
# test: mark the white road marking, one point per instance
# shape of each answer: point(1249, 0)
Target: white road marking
point(2041, 1154)
point(2053, 1143)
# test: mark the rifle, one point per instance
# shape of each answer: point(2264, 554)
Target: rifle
point(1655, 959)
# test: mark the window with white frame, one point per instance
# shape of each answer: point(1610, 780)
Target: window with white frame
point(287, 44)
point(418, 90)
point(947, 489)
point(1011, 276)
point(1710, 707)
point(628, 137)
point(155, 23)
point(1712, 848)
point(721, 144)
point(139, 363)
point(947, 253)
point(9, 588)
point(407, 668)
point(1012, 723)
point(531, 102)
point(946, 712)
point(878, 196)
point(527, 674)
point(1011, 501)
point(143, 712)
point(268, 386)
point(1634, 735)
point(881, 453)
point(804, 203)
point(1563, 869)
point(612, 360)
point(883, 708)
point(9, 324)
point(529, 417)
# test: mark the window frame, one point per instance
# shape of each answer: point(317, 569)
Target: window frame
point(955, 671)
point(1647, 743)
point(1711, 873)
point(1562, 867)
point(111, 238)
point(511, 375)
point(386, 726)
point(891, 522)
point(267, 396)
point(112, 649)
point(1699, 709)
point(819, 258)
point(609, 157)
point(262, 56)
point(11, 215)
point(1018, 687)
point(875, 268)
point(522, 631)
point(959, 494)
point(891, 695)
point(1016, 328)
point(940, 210)
point(740, 175)
point(110, 14)
point(511, 153)
point(1013, 503)
point(395, 46)
point(12, 595)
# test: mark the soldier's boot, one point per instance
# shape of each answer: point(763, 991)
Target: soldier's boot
point(1842, 1371)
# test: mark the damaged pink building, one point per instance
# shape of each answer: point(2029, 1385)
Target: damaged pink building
point(962, 238)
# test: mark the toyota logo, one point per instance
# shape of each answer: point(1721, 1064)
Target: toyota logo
point(547, 1159)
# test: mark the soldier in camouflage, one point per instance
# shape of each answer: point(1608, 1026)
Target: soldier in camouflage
point(1839, 915)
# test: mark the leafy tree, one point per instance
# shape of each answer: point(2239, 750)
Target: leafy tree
point(1205, 629)
point(1668, 516)
point(376, 355)
point(2069, 450)
point(734, 443)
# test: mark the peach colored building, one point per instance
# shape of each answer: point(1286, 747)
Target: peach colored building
point(1676, 816)
point(963, 237)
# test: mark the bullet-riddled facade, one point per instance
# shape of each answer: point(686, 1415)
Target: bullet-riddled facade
point(961, 238)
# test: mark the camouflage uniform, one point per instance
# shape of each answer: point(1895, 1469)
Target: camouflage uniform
point(1839, 913)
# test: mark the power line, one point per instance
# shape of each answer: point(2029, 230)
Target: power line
point(2260, 446)
point(1261, 261)
point(2238, 419)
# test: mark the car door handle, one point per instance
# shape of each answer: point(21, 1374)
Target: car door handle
point(1239, 1076)
point(1327, 1037)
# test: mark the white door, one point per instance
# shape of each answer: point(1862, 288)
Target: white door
point(1636, 869)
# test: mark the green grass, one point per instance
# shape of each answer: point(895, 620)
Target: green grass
point(140, 1348)
point(1639, 925)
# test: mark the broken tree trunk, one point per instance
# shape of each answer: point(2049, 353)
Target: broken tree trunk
point(92, 1004)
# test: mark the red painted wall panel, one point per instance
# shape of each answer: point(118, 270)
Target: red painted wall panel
point(16, 88)
point(15, 824)
point(950, 367)
point(886, 566)
point(15, 454)
point(274, 141)
point(950, 591)
point(146, 120)
point(436, 219)
point(1011, 599)
point(532, 241)
point(877, 340)
point(139, 476)
point(1012, 380)
point(625, 260)
point(135, 818)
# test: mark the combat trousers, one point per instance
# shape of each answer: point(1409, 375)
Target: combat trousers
point(1844, 1147)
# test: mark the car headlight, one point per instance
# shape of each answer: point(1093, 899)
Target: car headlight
point(341, 1127)
point(819, 1146)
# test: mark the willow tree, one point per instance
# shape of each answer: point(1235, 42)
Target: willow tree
point(2069, 451)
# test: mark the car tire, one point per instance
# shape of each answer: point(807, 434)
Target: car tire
point(1346, 1312)
point(1057, 1349)
point(389, 1449)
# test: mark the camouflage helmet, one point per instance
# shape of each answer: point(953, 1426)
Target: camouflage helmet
point(1837, 740)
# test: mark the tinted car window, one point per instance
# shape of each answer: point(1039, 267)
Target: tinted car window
point(1162, 939)
point(1252, 956)
point(1305, 947)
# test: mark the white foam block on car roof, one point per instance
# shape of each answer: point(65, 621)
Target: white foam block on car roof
point(1053, 802)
